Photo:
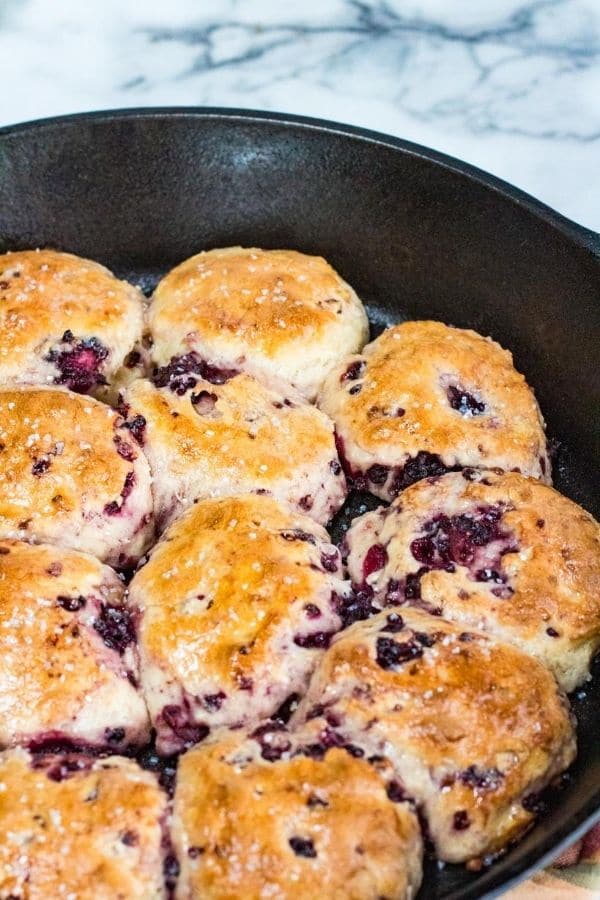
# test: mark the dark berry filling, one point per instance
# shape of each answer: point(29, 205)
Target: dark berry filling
point(79, 366)
point(177, 720)
point(133, 359)
point(114, 735)
point(306, 503)
point(272, 739)
point(71, 604)
point(464, 402)
point(335, 467)
point(354, 370)
point(284, 712)
point(164, 767)
point(40, 466)
point(114, 507)
point(481, 779)
point(375, 559)
point(298, 535)
point(396, 792)
point(355, 606)
point(329, 561)
point(460, 820)
point(64, 767)
point(214, 702)
point(124, 449)
point(423, 465)
point(303, 847)
point(392, 653)
point(312, 611)
point(475, 540)
point(318, 640)
point(394, 623)
point(178, 374)
point(137, 427)
point(115, 626)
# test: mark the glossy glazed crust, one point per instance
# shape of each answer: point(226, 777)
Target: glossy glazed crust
point(547, 599)
point(274, 311)
point(473, 728)
point(244, 438)
point(398, 404)
point(57, 676)
point(229, 600)
point(43, 294)
point(235, 815)
point(66, 463)
point(95, 835)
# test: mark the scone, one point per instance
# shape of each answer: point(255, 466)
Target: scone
point(499, 552)
point(65, 320)
point(72, 474)
point(211, 432)
point(276, 312)
point(234, 607)
point(474, 729)
point(294, 828)
point(74, 826)
point(424, 398)
point(68, 666)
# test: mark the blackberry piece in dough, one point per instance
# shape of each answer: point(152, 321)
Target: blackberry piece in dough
point(235, 605)
point(68, 662)
point(474, 729)
point(499, 552)
point(293, 827)
point(75, 826)
point(274, 312)
point(424, 398)
point(72, 474)
point(65, 320)
point(210, 432)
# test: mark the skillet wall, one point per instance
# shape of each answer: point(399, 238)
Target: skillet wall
point(415, 238)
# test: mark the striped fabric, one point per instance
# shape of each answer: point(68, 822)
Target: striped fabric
point(574, 876)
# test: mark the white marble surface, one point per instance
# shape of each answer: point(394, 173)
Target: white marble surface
point(509, 85)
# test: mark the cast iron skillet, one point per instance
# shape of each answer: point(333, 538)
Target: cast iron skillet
point(418, 234)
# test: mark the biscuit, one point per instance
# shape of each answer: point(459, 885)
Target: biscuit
point(72, 474)
point(65, 320)
point(499, 552)
point(235, 605)
point(246, 825)
point(276, 312)
point(75, 826)
point(424, 398)
point(211, 432)
point(67, 651)
point(474, 729)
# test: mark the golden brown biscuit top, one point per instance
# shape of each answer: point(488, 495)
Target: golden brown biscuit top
point(251, 828)
point(48, 601)
point(551, 567)
point(240, 429)
point(89, 829)
point(267, 298)
point(222, 581)
point(409, 378)
point(451, 697)
point(59, 452)
point(44, 292)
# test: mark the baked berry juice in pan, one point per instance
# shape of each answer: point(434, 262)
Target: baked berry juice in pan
point(419, 237)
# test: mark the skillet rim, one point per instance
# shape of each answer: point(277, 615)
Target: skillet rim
point(585, 238)
point(498, 878)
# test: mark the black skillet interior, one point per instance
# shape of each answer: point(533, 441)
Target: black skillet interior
point(417, 234)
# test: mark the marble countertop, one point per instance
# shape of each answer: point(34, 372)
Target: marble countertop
point(509, 85)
